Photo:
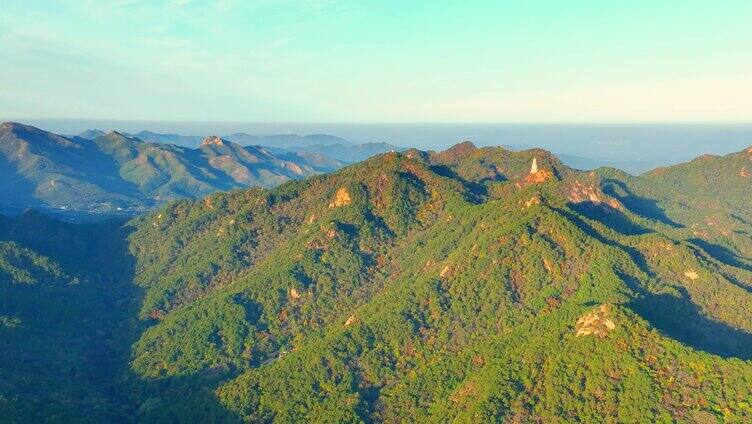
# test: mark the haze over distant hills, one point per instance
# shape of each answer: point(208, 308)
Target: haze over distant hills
point(633, 147)
point(321, 144)
point(115, 171)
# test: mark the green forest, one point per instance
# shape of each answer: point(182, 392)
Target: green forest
point(470, 285)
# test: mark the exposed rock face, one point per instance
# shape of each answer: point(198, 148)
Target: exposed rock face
point(445, 272)
point(590, 193)
point(294, 294)
point(350, 320)
point(536, 175)
point(342, 198)
point(744, 172)
point(212, 140)
point(595, 323)
point(535, 200)
point(294, 168)
point(692, 274)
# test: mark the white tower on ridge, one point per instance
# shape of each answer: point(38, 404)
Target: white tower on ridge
point(534, 166)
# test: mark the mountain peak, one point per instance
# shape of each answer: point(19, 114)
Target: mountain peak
point(460, 149)
point(114, 135)
point(11, 126)
point(27, 131)
point(465, 146)
point(212, 140)
point(91, 134)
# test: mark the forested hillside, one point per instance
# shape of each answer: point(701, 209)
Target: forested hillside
point(470, 285)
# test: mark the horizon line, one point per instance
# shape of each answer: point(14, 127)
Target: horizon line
point(335, 122)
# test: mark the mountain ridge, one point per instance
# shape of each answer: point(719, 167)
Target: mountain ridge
point(115, 171)
point(474, 284)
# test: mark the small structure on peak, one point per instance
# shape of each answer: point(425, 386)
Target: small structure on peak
point(536, 175)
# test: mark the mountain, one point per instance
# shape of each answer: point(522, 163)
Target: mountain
point(469, 285)
point(634, 167)
point(332, 147)
point(41, 168)
point(91, 134)
point(191, 141)
point(285, 140)
point(112, 171)
point(349, 153)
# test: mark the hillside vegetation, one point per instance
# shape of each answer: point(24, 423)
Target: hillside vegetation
point(470, 285)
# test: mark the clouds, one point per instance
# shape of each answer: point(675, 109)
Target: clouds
point(293, 60)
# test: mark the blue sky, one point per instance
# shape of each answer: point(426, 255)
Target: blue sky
point(377, 61)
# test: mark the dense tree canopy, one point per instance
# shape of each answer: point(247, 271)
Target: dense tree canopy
point(416, 287)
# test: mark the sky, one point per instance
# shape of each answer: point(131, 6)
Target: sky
point(377, 61)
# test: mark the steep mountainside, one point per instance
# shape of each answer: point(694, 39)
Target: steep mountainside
point(39, 168)
point(470, 285)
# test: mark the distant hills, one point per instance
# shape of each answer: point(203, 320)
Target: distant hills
point(98, 171)
point(180, 140)
point(468, 285)
point(332, 146)
point(116, 171)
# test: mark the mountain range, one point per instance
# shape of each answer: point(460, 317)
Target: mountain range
point(99, 171)
point(332, 146)
point(469, 285)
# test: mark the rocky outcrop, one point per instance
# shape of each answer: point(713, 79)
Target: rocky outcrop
point(350, 321)
point(579, 192)
point(294, 294)
point(342, 198)
point(691, 274)
point(296, 169)
point(536, 176)
point(535, 200)
point(596, 323)
point(212, 140)
point(445, 272)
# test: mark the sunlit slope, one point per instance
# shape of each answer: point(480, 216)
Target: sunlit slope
point(428, 286)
